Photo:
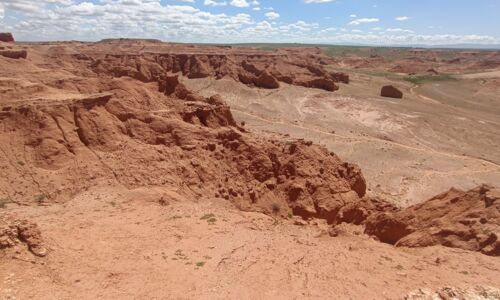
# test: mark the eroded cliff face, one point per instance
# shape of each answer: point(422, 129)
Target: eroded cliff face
point(161, 134)
point(259, 69)
point(458, 219)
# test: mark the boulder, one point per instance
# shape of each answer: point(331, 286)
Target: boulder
point(390, 91)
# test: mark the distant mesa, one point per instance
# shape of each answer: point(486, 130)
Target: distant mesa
point(6, 37)
point(117, 40)
point(390, 91)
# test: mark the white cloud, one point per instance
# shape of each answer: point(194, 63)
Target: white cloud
point(402, 18)
point(214, 3)
point(94, 20)
point(399, 30)
point(272, 15)
point(318, 1)
point(353, 16)
point(363, 21)
point(240, 3)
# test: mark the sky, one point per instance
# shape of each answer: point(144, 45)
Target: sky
point(370, 22)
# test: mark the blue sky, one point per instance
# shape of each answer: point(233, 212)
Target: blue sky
point(380, 22)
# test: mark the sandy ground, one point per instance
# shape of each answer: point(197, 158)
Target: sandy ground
point(440, 135)
point(113, 243)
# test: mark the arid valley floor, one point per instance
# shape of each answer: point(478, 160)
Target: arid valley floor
point(136, 169)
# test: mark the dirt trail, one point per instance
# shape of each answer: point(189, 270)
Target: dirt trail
point(491, 74)
point(413, 92)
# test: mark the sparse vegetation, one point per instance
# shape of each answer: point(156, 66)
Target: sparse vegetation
point(207, 216)
point(180, 255)
point(210, 218)
point(421, 79)
point(40, 198)
point(386, 258)
point(4, 201)
point(200, 264)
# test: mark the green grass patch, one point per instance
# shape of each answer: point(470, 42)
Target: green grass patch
point(421, 79)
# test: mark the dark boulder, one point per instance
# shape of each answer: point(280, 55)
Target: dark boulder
point(391, 92)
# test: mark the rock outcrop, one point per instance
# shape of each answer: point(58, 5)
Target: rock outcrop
point(15, 232)
point(14, 54)
point(6, 37)
point(259, 69)
point(390, 91)
point(138, 135)
point(467, 220)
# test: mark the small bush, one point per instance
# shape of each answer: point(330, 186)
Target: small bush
point(4, 201)
point(200, 264)
point(207, 216)
point(40, 198)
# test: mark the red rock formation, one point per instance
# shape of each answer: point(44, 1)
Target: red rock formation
point(468, 220)
point(14, 232)
point(6, 37)
point(261, 70)
point(187, 140)
point(266, 80)
point(14, 54)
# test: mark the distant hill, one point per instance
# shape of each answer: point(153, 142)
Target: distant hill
point(291, 45)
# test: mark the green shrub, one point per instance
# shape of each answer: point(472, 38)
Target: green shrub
point(40, 198)
point(4, 201)
point(421, 79)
